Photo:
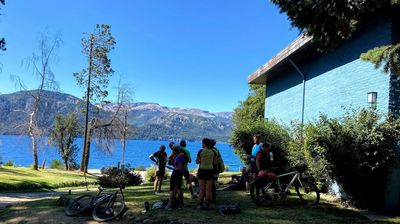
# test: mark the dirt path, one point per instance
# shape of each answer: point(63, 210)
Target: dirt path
point(8, 199)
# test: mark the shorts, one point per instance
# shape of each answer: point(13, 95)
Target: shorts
point(205, 174)
point(160, 173)
point(175, 182)
point(186, 174)
point(253, 167)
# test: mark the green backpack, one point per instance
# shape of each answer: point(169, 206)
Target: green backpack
point(220, 165)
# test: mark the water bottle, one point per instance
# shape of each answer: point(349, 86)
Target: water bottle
point(271, 156)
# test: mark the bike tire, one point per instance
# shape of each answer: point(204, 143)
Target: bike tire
point(79, 205)
point(263, 192)
point(308, 193)
point(108, 210)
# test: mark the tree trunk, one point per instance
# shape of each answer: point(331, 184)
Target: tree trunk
point(85, 151)
point(66, 164)
point(124, 140)
point(33, 142)
point(89, 140)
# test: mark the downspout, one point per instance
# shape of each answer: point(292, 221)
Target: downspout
point(304, 89)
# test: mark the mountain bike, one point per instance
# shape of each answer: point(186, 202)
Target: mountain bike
point(106, 207)
point(267, 187)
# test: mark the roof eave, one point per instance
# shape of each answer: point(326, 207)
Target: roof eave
point(260, 75)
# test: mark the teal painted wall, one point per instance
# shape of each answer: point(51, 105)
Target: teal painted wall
point(333, 81)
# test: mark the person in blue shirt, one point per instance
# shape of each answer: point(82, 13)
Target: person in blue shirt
point(257, 147)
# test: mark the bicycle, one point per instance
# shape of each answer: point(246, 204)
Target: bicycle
point(106, 207)
point(267, 187)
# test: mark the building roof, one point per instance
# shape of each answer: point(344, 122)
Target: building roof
point(261, 75)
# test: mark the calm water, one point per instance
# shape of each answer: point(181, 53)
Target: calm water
point(17, 149)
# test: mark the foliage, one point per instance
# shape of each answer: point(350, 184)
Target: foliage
point(330, 22)
point(9, 163)
point(63, 135)
point(151, 174)
point(358, 150)
point(114, 177)
point(226, 168)
point(56, 164)
point(96, 47)
point(300, 151)
point(388, 56)
point(269, 131)
point(140, 168)
point(252, 108)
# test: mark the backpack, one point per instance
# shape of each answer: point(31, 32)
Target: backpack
point(220, 164)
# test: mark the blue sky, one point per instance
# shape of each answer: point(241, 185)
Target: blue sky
point(178, 53)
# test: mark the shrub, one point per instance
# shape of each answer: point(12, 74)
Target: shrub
point(140, 168)
point(226, 168)
point(57, 164)
point(9, 163)
point(113, 177)
point(270, 131)
point(302, 149)
point(359, 151)
point(151, 174)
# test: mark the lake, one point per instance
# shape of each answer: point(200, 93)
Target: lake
point(17, 149)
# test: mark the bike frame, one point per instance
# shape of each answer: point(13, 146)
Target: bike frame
point(296, 176)
point(107, 196)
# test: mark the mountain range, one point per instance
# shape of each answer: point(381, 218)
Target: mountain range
point(150, 121)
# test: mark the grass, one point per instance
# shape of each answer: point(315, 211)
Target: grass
point(26, 179)
point(287, 211)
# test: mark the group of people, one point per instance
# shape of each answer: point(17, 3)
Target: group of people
point(207, 158)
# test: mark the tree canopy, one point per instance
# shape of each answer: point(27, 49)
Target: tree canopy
point(330, 22)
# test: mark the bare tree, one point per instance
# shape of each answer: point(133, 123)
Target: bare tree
point(40, 64)
point(124, 100)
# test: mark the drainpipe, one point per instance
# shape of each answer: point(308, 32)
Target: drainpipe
point(304, 90)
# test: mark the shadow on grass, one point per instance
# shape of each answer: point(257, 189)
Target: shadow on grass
point(16, 172)
point(288, 211)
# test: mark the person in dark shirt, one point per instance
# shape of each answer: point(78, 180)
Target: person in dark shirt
point(160, 158)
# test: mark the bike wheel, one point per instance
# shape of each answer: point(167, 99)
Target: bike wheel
point(108, 210)
point(263, 192)
point(307, 191)
point(79, 205)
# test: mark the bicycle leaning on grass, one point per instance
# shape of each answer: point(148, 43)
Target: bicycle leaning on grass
point(267, 187)
point(106, 206)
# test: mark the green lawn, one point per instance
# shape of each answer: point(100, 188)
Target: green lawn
point(288, 211)
point(26, 179)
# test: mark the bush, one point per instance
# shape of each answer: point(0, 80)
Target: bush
point(140, 168)
point(151, 174)
point(270, 131)
point(358, 150)
point(57, 164)
point(113, 177)
point(9, 163)
point(302, 149)
point(226, 168)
